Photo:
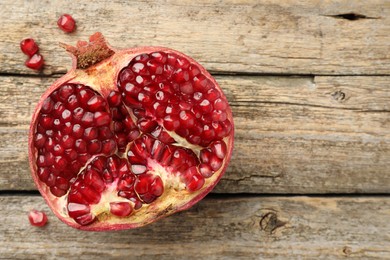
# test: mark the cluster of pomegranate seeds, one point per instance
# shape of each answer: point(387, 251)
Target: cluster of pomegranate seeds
point(166, 89)
point(160, 131)
point(72, 127)
point(31, 49)
point(66, 23)
point(37, 218)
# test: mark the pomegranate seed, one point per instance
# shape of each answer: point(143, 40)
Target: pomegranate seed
point(29, 47)
point(37, 218)
point(121, 209)
point(205, 170)
point(114, 99)
point(96, 103)
point(66, 23)
point(85, 219)
point(35, 62)
point(219, 149)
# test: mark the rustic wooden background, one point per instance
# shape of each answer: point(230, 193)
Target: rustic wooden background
point(309, 84)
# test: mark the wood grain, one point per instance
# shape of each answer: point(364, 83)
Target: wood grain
point(244, 228)
point(293, 37)
point(322, 134)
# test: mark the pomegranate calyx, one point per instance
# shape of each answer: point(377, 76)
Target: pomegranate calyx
point(89, 53)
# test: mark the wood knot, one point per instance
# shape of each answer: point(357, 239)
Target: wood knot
point(338, 95)
point(270, 222)
point(347, 250)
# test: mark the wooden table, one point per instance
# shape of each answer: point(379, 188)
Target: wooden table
point(309, 84)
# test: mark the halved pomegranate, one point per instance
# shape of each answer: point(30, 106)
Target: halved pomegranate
point(128, 136)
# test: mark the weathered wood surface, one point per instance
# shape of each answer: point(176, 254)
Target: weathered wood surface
point(294, 37)
point(243, 228)
point(293, 134)
point(326, 131)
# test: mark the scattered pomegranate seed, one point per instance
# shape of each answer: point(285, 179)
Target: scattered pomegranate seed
point(35, 62)
point(29, 47)
point(66, 23)
point(37, 218)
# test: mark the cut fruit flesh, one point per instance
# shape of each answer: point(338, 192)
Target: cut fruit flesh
point(124, 156)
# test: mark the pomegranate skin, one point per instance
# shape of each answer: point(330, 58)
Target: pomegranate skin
point(110, 67)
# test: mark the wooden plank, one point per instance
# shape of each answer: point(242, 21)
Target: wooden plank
point(293, 134)
point(304, 37)
point(216, 228)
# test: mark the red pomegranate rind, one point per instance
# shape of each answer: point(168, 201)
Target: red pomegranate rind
point(131, 137)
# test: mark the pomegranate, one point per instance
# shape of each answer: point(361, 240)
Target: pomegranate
point(129, 136)
point(37, 218)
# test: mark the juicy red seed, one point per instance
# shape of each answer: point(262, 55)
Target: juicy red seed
point(35, 62)
point(39, 140)
point(159, 57)
point(94, 146)
point(43, 174)
point(96, 103)
point(193, 180)
point(215, 163)
point(67, 141)
point(85, 219)
point(90, 195)
point(58, 192)
point(87, 119)
point(187, 119)
point(47, 105)
point(80, 145)
point(219, 104)
point(29, 47)
point(66, 23)
point(108, 146)
point(187, 88)
point(91, 133)
point(102, 118)
point(114, 98)
point(205, 155)
point(72, 102)
point(37, 218)
point(205, 170)
point(205, 106)
point(201, 84)
point(92, 178)
point(121, 209)
point(76, 209)
point(171, 123)
point(219, 149)
point(149, 187)
point(218, 115)
point(64, 92)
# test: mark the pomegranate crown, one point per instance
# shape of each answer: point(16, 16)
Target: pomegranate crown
point(89, 53)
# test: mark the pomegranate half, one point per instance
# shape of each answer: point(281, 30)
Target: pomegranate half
point(128, 136)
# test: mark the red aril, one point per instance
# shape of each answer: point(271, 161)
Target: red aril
point(35, 62)
point(29, 47)
point(66, 23)
point(128, 136)
point(37, 218)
